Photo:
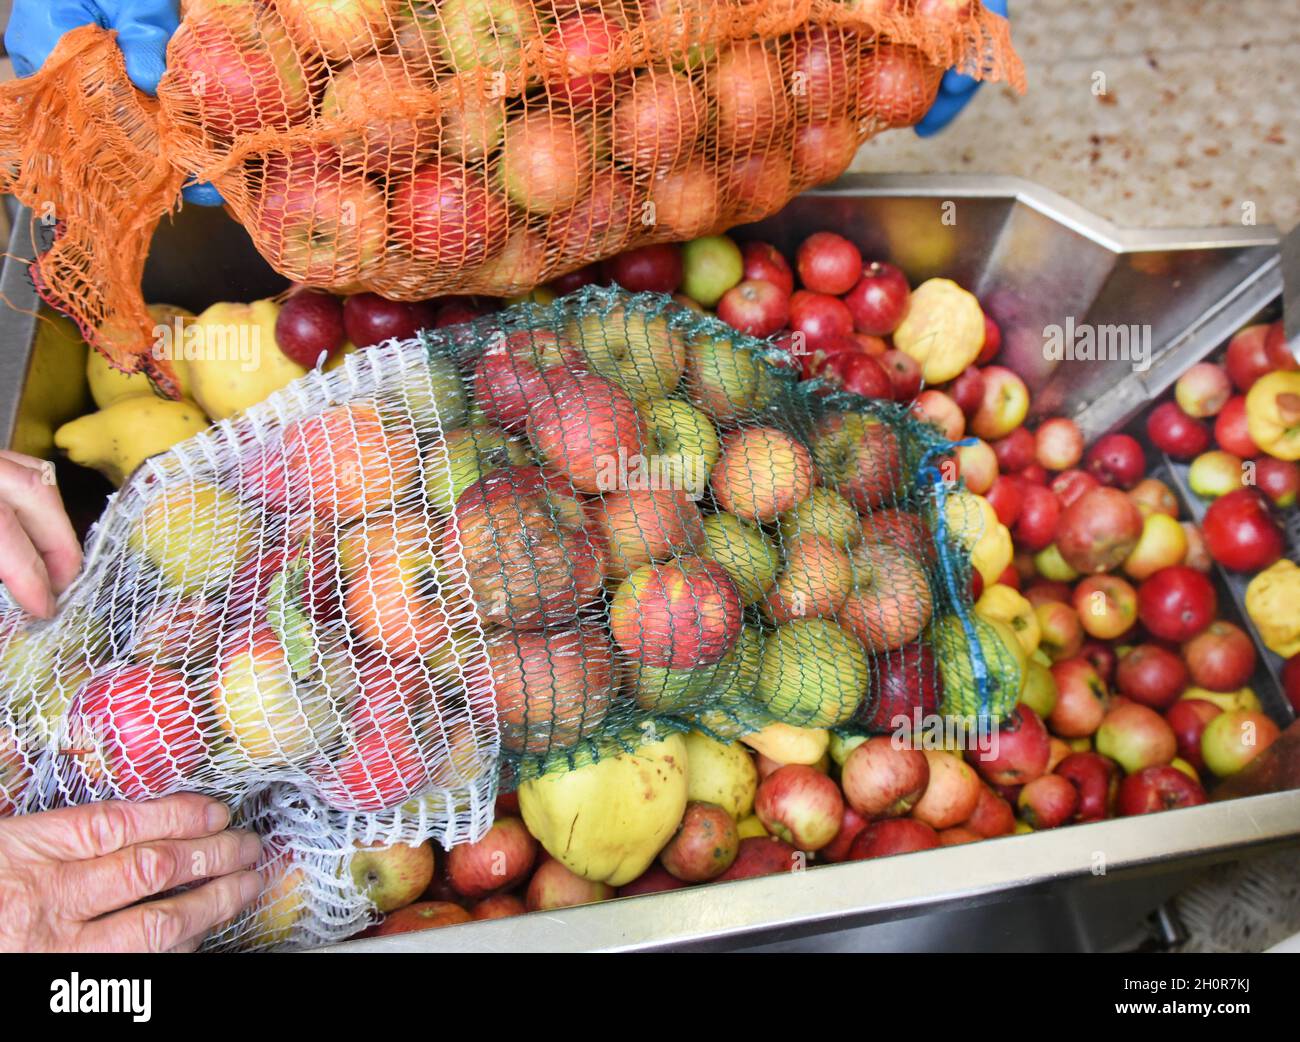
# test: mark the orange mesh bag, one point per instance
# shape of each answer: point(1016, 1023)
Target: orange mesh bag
point(475, 146)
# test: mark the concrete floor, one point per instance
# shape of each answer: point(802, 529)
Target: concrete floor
point(1199, 125)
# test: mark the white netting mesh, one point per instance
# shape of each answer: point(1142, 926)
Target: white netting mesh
point(356, 609)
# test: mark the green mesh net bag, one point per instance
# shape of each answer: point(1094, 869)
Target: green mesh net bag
point(492, 554)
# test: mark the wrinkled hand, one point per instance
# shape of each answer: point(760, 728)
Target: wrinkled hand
point(143, 29)
point(955, 90)
point(39, 552)
point(70, 879)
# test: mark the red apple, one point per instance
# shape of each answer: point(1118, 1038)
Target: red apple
point(1069, 485)
point(799, 805)
point(1106, 604)
point(904, 374)
point(763, 262)
point(858, 373)
point(656, 268)
point(587, 275)
point(1174, 432)
point(1098, 530)
point(1151, 675)
point(1153, 496)
point(1017, 450)
point(878, 301)
point(1157, 789)
point(1278, 479)
point(1240, 532)
point(937, 408)
point(498, 906)
point(762, 856)
point(904, 679)
point(1040, 512)
point(881, 779)
point(992, 815)
point(1061, 633)
point(1203, 390)
point(583, 426)
point(896, 85)
point(952, 793)
point(1136, 737)
point(1176, 603)
point(1188, 717)
point(705, 844)
point(968, 392)
point(135, 728)
point(444, 214)
point(851, 823)
point(309, 329)
point(893, 836)
point(502, 858)
point(820, 318)
point(1081, 698)
point(1231, 430)
point(581, 39)
point(1291, 681)
point(369, 319)
point(678, 615)
point(957, 835)
point(1097, 782)
point(657, 120)
point(1257, 350)
point(823, 62)
point(554, 886)
point(1006, 496)
point(1117, 460)
point(1020, 753)
point(828, 263)
point(423, 915)
point(992, 341)
point(1221, 657)
point(508, 377)
point(755, 307)
point(654, 880)
point(1048, 802)
point(1058, 443)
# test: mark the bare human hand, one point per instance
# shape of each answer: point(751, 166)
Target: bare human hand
point(39, 552)
point(86, 879)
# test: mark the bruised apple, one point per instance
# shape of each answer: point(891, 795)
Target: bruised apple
point(704, 846)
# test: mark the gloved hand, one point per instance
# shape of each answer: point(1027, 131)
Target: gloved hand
point(955, 90)
point(143, 29)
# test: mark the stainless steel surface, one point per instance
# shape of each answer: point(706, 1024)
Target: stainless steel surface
point(1291, 288)
point(1086, 859)
point(1035, 260)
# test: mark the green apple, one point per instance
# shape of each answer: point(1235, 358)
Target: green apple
point(392, 876)
point(813, 673)
point(823, 512)
point(462, 457)
point(843, 744)
point(745, 551)
point(270, 716)
point(685, 440)
point(196, 534)
point(1039, 693)
point(1232, 739)
point(641, 353)
point(1215, 473)
point(44, 664)
point(440, 404)
point(732, 710)
point(728, 381)
point(710, 266)
point(471, 34)
point(1052, 566)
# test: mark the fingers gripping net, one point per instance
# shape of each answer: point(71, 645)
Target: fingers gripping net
point(504, 548)
point(476, 146)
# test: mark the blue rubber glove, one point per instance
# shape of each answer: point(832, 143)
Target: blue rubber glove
point(955, 90)
point(143, 29)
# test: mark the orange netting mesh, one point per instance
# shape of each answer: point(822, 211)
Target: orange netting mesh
point(475, 146)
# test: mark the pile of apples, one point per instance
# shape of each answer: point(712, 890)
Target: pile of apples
point(533, 162)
